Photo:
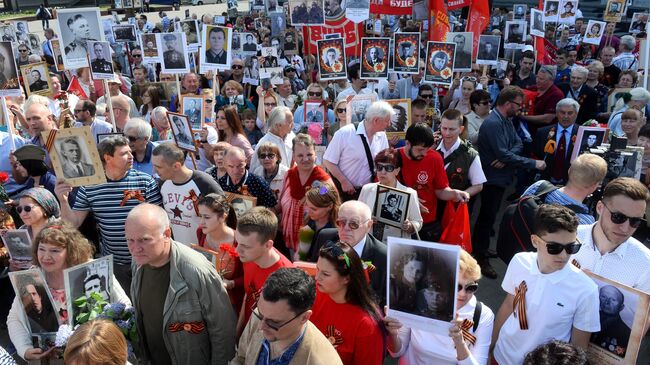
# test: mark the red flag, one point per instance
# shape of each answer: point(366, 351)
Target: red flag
point(391, 7)
point(457, 231)
point(438, 21)
point(351, 32)
point(478, 20)
point(75, 88)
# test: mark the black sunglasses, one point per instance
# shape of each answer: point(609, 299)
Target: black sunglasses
point(469, 288)
point(237, 67)
point(554, 248)
point(341, 110)
point(26, 208)
point(264, 156)
point(136, 55)
point(133, 139)
point(314, 94)
point(387, 168)
point(426, 96)
point(270, 324)
point(620, 218)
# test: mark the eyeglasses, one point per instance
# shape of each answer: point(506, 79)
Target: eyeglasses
point(272, 325)
point(311, 93)
point(237, 67)
point(264, 156)
point(468, 78)
point(554, 248)
point(620, 218)
point(22, 50)
point(382, 167)
point(271, 104)
point(516, 103)
point(26, 208)
point(341, 110)
point(426, 96)
point(352, 224)
point(136, 55)
point(469, 288)
point(133, 139)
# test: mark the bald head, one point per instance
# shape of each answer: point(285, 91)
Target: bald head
point(148, 235)
point(146, 212)
point(352, 214)
point(235, 161)
point(39, 119)
point(611, 300)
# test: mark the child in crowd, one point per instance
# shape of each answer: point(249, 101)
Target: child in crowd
point(253, 133)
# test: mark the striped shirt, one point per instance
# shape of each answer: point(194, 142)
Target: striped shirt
point(105, 201)
point(626, 61)
point(558, 197)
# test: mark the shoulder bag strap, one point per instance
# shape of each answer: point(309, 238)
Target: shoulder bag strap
point(371, 164)
point(477, 315)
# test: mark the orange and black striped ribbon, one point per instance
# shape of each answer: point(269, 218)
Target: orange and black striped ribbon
point(50, 140)
point(575, 263)
point(191, 327)
point(519, 305)
point(333, 336)
point(131, 194)
point(195, 200)
point(464, 328)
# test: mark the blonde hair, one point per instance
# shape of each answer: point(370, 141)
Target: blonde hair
point(586, 170)
point(98, 342)
point(469, 267)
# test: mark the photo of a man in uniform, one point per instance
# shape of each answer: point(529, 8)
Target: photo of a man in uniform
point(99, 63)
point(80, 29)
point(172, 57)
point(614, 333)
point(37, 83)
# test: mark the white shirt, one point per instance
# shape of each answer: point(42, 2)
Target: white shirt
point(475, 175)
point(369, 195)
point(555, 303)
point(350, 91)
point(347, 152)
point(55, 105)
point(96, 127)
point(425, 348)
point(202, 163)
point(361, 245)
point(628, 264)
point(285, 146)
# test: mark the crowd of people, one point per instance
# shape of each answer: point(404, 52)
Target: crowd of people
point(262, 193)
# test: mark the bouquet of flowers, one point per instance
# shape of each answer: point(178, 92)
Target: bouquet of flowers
point(226, 262)
point(95, 307)
point(4, 178)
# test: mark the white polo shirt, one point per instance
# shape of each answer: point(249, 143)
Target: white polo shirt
point(347, 152)
point(628, 264)
point(555, 303)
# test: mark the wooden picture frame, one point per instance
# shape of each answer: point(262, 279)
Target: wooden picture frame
point(391, 206)
point(192, 108)
point(182, 132)
point(40, 85)
point(241, 203)
point(402, 119)
point(74, 156)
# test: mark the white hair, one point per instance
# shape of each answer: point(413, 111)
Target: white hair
point(567, 102)
point(628, 43)
point(159, 112)
point(141, 128)
point(278, 116)
point(639, 94)
point(580, 70)
point(379, 110)
point(361, 207)
point(36, 99)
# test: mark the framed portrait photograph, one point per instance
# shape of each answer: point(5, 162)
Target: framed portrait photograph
point(537, 23)
point(374, 58)
point(290, 42)
point(248, 44)
point(9, 81)
point(18, 243)
point(21, 28)
point(192, 107)
point(405, 57)
point(149, 42)
point(274, 75)
point(623, 319)
point(314, 117)
point(331, 59)
point(357, 107)
point(55, 46)
point(215, 53)
point(300, 11)
point(74, 156)
point(103, 136)
point(78, 27)
point(241, 203)
point(595, 31)
point(614, 11)
point(32, 291)
point(174, 54)
point(278, 23)
point(101, 63)
point(46, 341)
point(551, 10)
point(440, 63)
point(191, 30)
point(8, 33)
point(391, 206)
point(519, 11)
point(402, 118)
point(425, 271)
point(488, 50)
point(36, 77)
point(269, 57)
point(124, 33)
point(628, 162)
point(95, 276)
point(463, 57)
point(568, 11)
point(515, 35)
point(182, 131)
point(639, 23)
point(34, 43)
point(257, 5)
point(588, 138)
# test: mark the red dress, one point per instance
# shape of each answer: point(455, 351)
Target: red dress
point(353, 332)
point(232, 269)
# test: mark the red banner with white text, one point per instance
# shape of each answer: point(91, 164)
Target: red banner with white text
point(351, 32)
point(457, 4)
point(391, 7)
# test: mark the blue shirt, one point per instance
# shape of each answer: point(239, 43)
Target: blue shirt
point(11, 187)
point(146, 165)
point(558, 197)
point(265, 353)
point(567, 136)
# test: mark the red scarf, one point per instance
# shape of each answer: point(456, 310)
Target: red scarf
point(297, 189)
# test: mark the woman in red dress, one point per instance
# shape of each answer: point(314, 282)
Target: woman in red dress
point(216, 232)
point(344, 309)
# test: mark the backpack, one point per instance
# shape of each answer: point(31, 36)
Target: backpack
point(517, 223)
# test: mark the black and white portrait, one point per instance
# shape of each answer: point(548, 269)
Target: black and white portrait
point(78, 27)
point(18, 244)
point(536, 23)
point(357, 107)
point(587, 138)
point(236, 43)
point(217, 42)
point(406, 49)
point(175, 55)
point(36, 77)
point(374, 64)
point(22, 30)
point(551, 10)
point(440, 63)
point(124, 33)
point(34, 43)
point(36, 300)
point(191, 30)
point(150, 47)
point(252, 70)
point(400, 120)
point(311, 12)
point(74, 158)
point(334, 9)
point(241, 203)
point(9, 84)
point(182, 131)
point(248, 43)
point(290, 42)
point(519, 11)
point(488, 50)
point(639, 23)
point(269, 57)
point(101, 63)
point(331, 57)
point(391, 206)
point(422, 283)
point(278, 23)
point(193, 109)
point(8, 33)
point(88, 278)
point(463, 59)
point(515, 34)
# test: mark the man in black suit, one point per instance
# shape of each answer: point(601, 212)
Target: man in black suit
point(250, 45)
point(562, 135)
point(373, 56)
point(586, 96)
point(353, 214)
point(37, 83)
point(614, 334)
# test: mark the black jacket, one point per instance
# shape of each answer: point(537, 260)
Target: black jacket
point(541, 138)
point(588, 100)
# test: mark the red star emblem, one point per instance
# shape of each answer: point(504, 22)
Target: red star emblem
point(177, 212)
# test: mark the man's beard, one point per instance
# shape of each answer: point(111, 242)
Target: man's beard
point(411, 156)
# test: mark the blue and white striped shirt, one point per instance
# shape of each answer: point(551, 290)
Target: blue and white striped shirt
point(558, 197)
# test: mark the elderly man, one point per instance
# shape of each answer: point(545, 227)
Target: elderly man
point(409, 87)
point(586, 96)
point(626, 59)
point(287, 297)
point(611, 72)
point(111, 202)
point(138, 133)
point(280, 133)
point(614, 333)
point(80, 29)
point(548, 95)
point(350, 155)
point(183, 310)
point(638, 100)
point(180, 190)
point(354, 227)
point(121, 112)
point(285, 92)
point(239, 180)
point(357, 85)
point(561, 136)
point(190, 84)
point(84, 113)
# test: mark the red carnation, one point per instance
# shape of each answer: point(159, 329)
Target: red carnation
point(4, 177)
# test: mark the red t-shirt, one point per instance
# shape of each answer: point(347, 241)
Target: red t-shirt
point(425, 176)
point(353, 332)
point(254, 278)
point(545, 104)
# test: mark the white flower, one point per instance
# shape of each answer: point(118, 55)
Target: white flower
point(62, 335)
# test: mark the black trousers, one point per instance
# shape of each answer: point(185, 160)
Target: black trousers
point(491, 196)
